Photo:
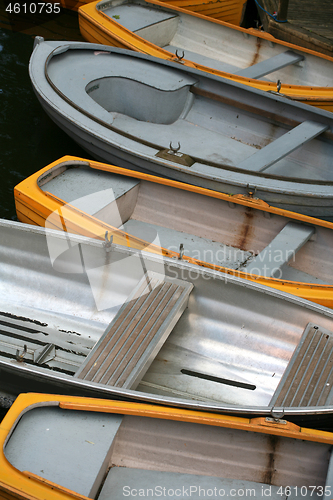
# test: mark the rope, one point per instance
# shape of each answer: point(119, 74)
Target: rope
point(273, 16)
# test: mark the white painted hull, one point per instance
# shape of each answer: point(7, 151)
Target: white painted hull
point(278, 185)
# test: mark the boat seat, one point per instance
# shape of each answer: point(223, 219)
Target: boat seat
point(128, 88)
point(270, 65)
point(137, 332)
point(122, 480)
point(95, 192)
point(62, 439)
point(256, 71)
point(281, 250)
point(308, 378)
point(136, 99)
point(282, 146)
point(152, 24)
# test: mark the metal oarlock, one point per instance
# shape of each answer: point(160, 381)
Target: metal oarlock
point(107, 242)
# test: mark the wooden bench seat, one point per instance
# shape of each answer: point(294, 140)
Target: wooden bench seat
point(281, 250)
point(283, 146)
point(308, 378)
point(71, 448)
point(271, 64)
point(135, 335)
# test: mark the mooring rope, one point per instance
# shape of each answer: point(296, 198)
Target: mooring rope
point(273, 16)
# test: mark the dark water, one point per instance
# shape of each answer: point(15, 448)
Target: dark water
point(28, 138)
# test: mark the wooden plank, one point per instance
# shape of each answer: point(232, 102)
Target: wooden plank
point(281, 249)
point(137, 332)
point(308, 378)
point(129, 358)
point(270, 65)
point(127, 313)
point(281, 147)
point(282, 11)
point(310, 23)
point(130, 327)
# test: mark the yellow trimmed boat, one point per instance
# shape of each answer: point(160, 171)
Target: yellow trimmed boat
point(230, 11)
point(235, 234)
point(246, 56)
point(65, 447)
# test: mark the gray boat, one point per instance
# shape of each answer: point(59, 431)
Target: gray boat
point(158, 116)
point(83, 317)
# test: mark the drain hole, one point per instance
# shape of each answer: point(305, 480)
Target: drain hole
point(225, 381)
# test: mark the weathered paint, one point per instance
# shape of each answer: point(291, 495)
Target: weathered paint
point(246, 230)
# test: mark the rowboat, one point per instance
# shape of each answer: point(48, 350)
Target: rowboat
point(247, 56)
point(157, 116)
point(238, 235)
point(230, 11)
point(94, 319)
point(63, 448)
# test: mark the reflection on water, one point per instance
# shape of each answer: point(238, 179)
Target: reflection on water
point(28, 138)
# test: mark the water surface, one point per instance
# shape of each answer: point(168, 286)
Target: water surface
point(28, 138)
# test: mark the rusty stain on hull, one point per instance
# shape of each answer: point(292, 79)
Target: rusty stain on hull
point(270, 470)
point(246, 230)
point(256, 54)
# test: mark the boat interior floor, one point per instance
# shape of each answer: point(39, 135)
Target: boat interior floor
point(92, 191)
point(159, 26)
point(204, 137)
point(203, 60)
point(217, 47)
point(159, 107)
point(103, 456)
point(187, 341)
